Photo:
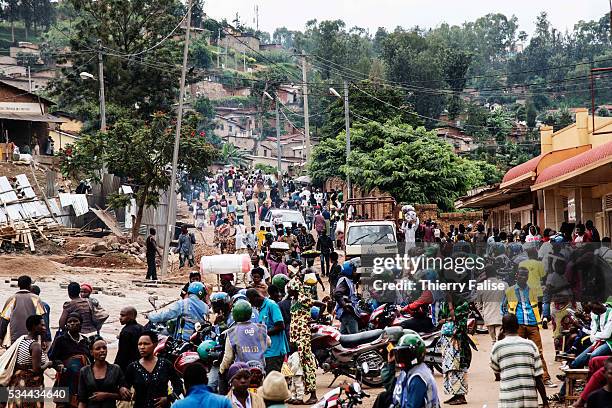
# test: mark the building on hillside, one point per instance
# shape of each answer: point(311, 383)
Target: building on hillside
point(519, 132)
point(24, 119)
point(214, 90)
point(454, 135)
point(67, 132)
point(292, 147)
point(570, 181)
point(289, 94)
point(35, 83)
point(240, 42)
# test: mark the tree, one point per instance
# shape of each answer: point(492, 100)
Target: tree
point(530, 114)
point(499, 124)
point(200, 55)
point(397, 159)
point(364, 100)
point(603, 112)
point(142, 153)
point(230, 154)
point(142, 67)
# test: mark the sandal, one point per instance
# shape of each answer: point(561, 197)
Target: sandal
point(293, 401)
point(459, 400)
point(311, 401)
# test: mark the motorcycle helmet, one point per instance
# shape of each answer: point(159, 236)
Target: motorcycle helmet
point(219, 299)
point(315, 312)
point(347, 269)
point(280, 281)
point(242, 311)
point(410, 350)
point(205, 347)
point(239, 296)
point(197, 288)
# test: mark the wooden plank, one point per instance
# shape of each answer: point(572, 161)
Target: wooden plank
point(109, 221)
point(31, 242)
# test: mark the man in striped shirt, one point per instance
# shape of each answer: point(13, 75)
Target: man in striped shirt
point(517, 361)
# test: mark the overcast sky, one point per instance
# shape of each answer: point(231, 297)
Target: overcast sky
point(372, 14)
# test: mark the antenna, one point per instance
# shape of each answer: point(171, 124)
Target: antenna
point(257, 17)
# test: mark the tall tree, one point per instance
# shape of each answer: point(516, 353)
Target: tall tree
point(140, 54)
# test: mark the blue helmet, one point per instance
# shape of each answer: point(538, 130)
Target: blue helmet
point(347, 269)
point(239, 296)
point(315, 312)
point(219, 297)
point(197, 288)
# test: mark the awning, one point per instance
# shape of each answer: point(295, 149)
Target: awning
point(490, 197)
point(30, 117)
point(584, 162)
point(521, 172)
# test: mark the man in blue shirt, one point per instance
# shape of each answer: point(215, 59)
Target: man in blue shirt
point(522, 301)
point(271, 316)
point(199, 394)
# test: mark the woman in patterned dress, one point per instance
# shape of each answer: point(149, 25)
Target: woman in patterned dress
point(299, 335)
point(456, 351)
point(31, 362)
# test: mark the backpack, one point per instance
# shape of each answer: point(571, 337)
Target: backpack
point(193, 238)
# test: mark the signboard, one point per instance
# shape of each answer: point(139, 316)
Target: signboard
point(20, 107)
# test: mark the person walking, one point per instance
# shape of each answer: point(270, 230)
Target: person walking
point(80, 306)
point(239, 376)
point(345, 295)
point(517, 362)
point(149, 376)
point(30, 360)
point(185, 247)
point(70, 352)
point(17, 309)
point(101, 384)
point(251, 207)
point(325, 245)
point(319, 223)
point(151, 251)
point(270, 315)
point(127, 351)
point(300, 336)
point(521, 301)
point(456, 351)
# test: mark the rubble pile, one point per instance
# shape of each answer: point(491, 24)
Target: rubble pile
point(112, 244)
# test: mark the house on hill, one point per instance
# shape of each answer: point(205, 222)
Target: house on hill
point(454, 135)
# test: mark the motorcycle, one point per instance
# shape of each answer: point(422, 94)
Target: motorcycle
point(354, 397)
point(359, 356)
point(389, 318)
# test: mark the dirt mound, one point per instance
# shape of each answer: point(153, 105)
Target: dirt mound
point(112, 260)
point(28, 264)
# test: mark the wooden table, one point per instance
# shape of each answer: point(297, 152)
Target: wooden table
point(572, 377)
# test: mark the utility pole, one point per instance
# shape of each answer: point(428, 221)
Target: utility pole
point(102, 98)
point(348, 135)
point(29, 79)
point(177, 138)
point(218, 47)
point(243, 61)
point(306, 116)
point(278, 148)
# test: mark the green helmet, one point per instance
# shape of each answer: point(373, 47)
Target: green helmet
point(242, 311)
point(280, 281)
point(205, 347)
point(410, 350)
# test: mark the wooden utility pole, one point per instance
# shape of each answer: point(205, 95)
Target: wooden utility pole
point(177, 139)
point(306, 116)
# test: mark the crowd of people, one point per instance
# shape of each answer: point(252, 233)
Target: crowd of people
point(261, 321)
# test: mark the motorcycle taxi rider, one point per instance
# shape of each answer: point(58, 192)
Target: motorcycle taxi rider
point(185, 312)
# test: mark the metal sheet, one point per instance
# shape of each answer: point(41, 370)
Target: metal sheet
point(7, 194)
point(14, 212)
point(26, 187)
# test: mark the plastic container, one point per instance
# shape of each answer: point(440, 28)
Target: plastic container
point(224, 264)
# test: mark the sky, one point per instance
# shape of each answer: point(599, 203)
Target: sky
point(372, 14)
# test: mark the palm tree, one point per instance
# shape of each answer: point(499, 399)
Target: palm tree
point(230, 154)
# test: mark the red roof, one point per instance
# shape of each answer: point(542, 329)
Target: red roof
point(572, 164)
point(522, 169)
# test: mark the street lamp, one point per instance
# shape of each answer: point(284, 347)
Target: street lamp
point(348, 130)
point(278, 138)
point(87, 76)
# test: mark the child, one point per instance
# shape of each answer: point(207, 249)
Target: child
point(257, 274)
point(296, 381)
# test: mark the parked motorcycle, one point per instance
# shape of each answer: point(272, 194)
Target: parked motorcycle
point(359, 356)
point(433, 355)
point(354, 396)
